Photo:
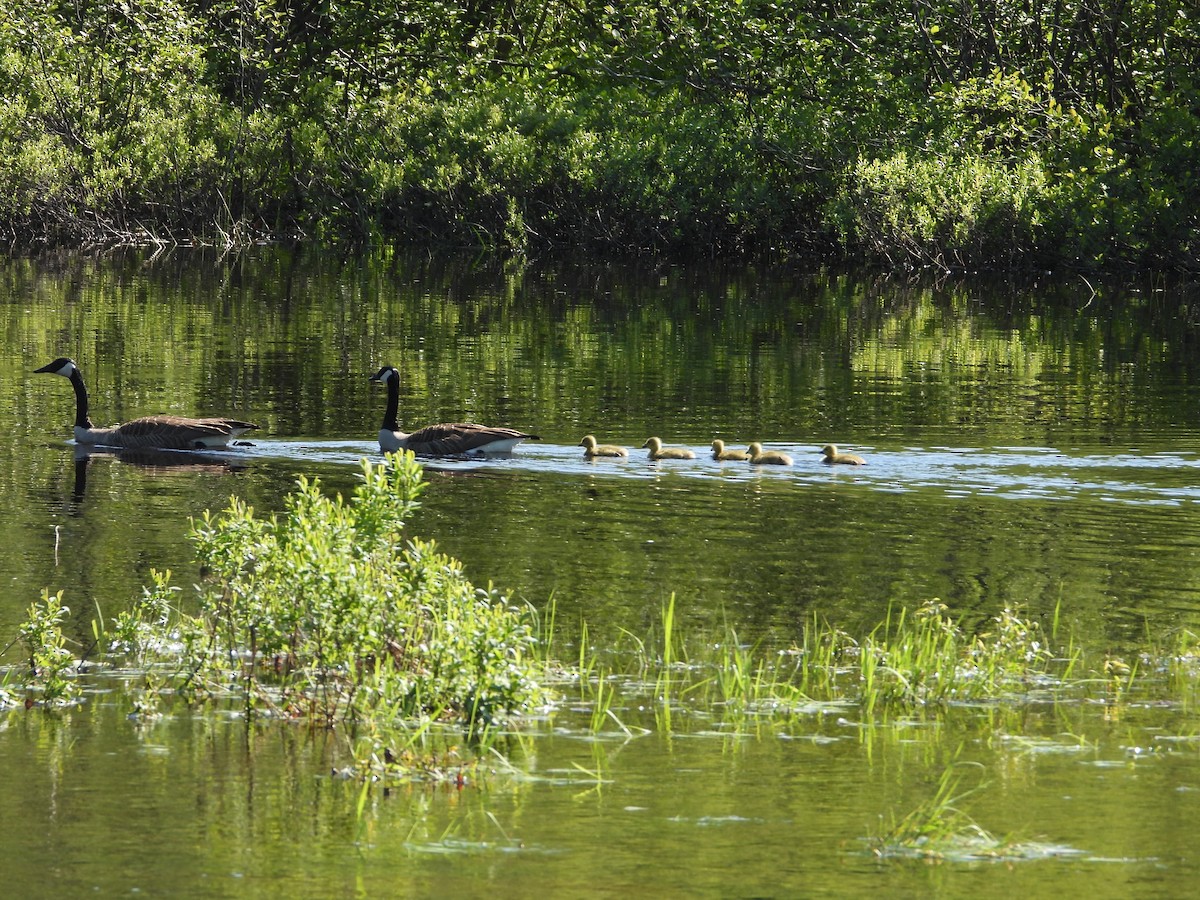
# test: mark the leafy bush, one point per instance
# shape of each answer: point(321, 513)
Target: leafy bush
point(328, 613)
point(50, 662)
point(943, 210)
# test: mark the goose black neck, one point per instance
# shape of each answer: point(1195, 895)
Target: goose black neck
point(81, 401)
point(390, 415)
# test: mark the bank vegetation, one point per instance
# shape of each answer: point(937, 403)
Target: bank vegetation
point(967, 134)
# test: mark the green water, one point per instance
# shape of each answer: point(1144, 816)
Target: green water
point(1032, 444)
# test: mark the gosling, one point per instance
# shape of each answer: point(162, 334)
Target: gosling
point(658, 451)
point(591, 449)
point(720, 453)
point(761, 457)
point(832, 457)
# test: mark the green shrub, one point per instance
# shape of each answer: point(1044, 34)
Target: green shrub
point(50, 662)
point(327, 612)
point(943, 210)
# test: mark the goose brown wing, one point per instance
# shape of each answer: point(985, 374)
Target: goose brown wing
point(449, 439)
point(177, 432)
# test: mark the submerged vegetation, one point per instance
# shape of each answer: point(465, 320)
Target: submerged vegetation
point(941, 134)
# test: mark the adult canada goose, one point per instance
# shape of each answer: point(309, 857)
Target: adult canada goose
point(658, 451)
point(150, 432)
point(447, 439)
point(591, 449)
point(832, 457)
point(761, 457)
point(720, 453)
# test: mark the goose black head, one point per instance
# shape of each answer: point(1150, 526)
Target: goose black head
point(61, 366)
point(387, 372)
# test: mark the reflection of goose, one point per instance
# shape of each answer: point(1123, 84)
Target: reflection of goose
point(156, 462)
point(658, 451)
point(150, 432)
point(761, 457)
point(591, 449)
point(449, 439)
point(720, 453)
point(168, 462)
point(832, 456)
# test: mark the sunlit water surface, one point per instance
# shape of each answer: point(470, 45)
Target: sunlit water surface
point(1028, 445)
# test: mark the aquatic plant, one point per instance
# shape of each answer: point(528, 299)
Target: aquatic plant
point(926, 657)
point(910, 660)
point(934, 825)
point(328, 613)
point(50, 662)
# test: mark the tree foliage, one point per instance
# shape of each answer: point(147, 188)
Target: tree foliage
point(726, 125)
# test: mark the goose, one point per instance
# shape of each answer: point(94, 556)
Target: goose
point(761, 457)
point(832, 456)
point(591, 449)
point(720, 453)
point(658, 451)
point(150, 432)
point(447, 439)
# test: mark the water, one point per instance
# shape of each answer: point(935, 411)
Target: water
point(1030, 444)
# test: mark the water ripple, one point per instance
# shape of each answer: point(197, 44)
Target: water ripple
point(1037, 473)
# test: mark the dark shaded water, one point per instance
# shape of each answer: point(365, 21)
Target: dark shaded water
point(1030, 444)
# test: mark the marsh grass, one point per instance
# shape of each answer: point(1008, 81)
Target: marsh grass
point(938, 827)
point(909, 661)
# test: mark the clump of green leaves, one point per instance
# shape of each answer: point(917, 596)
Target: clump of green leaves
point(944, 210)
point(327, 612)
point(50, 662)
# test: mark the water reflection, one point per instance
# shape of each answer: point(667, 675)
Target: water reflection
point(1020, 437)
point(1027, 444)
point(155, 462)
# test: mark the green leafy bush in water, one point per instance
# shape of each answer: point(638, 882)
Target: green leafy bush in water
point(327, 612)
point(50, 662)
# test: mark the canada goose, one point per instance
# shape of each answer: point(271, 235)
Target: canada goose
point(150, 432)
point(761, 457)
point(658, 451)
point(591, 449)
point(447, 439)
point(720, 453)
point(832, 456)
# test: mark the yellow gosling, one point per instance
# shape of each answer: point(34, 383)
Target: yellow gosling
point(832, 457)
point(761, 457)
point(720, 453)
point(658, 451)
point(591, 449)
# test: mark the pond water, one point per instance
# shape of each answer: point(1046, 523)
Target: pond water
point(1034, 444)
